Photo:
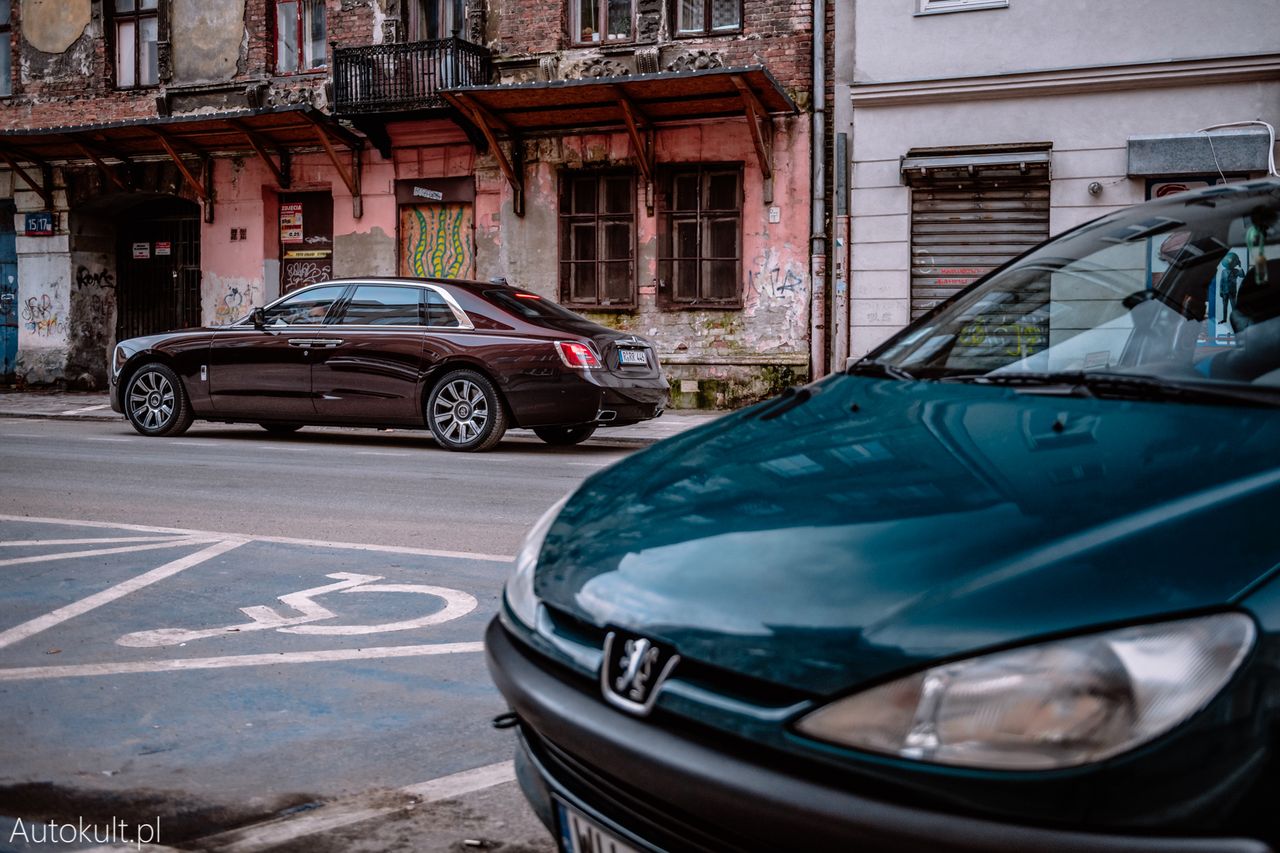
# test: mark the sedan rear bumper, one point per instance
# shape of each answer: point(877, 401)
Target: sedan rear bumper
point(681, 792)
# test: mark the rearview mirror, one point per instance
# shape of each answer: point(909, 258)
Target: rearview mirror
point(259, 318)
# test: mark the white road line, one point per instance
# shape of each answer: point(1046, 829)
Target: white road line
point(282, 447)
point(22, 435)
point(120, 590)
point(380, 453)
point(28, 543)
point(99, 438)
point(278, 540)
point(102, 552)
point(273, 833)
point(87, 409)
point(31, 673)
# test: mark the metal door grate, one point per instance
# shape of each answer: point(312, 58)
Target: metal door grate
point(160, 291)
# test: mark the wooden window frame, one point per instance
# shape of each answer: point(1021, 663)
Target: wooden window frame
point(667, 216)
point(598, 218)
point(301, 56)
point(602, 9)
point(706, 31)
point(137, 15)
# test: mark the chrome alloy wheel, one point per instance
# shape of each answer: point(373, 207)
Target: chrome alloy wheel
point(460, 411)
point(152, 399)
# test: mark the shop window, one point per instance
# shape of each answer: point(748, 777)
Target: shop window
point(6, 48)
point(137, 34)
point(300, 35)
point(700, 237)
point(597, 239)
point(428, 20)
point(707, 17)
point(594, 21)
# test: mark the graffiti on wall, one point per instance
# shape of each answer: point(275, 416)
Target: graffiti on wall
point(301, 273)
point(772, 277)
point(87, 278)
point(235, 303)
point(437, 240)
point(94, 305)
point(40, 318)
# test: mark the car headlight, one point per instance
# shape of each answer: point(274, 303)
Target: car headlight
point(521, 601)
point(1050, 705)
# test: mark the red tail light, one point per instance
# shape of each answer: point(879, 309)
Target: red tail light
point(578, 355)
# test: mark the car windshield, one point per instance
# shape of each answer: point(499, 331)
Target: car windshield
point(1181, 292)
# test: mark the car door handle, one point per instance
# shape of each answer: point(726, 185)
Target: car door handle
point(307, 343)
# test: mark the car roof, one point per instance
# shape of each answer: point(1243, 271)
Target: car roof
point(466, 283)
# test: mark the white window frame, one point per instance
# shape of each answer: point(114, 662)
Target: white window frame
point(943, 7)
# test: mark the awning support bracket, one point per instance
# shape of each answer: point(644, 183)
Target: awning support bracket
point(637, 121)
point(41, 188)
point(96, 155)
point(487, 123)
point(761, 125)
point(196, 185)
point(351, 176)
point(259, 146)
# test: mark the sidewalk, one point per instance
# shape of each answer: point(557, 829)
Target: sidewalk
point(91, 406)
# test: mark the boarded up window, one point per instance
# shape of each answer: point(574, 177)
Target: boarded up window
point(964, 225)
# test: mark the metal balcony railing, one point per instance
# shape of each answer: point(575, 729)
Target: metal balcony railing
point(401, 77)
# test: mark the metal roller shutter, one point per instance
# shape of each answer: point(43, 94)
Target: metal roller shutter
point(965, 222)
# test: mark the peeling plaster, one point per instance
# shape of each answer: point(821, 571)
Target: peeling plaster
point(52, 26)
point(223, 300)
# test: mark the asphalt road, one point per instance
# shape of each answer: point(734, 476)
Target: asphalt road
point(261, 643)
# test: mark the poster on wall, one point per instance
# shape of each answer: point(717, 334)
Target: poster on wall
point(291, 222)
point(141, 251)
point(163, 248)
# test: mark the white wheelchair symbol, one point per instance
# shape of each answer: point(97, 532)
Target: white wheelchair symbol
point(263, 618)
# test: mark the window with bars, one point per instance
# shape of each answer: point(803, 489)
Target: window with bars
point(700, 237)
point(597, 239)
point(595, 21)
point(137, 35)
point(707, 17)
point(300, 35)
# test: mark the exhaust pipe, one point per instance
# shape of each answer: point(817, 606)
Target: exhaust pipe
point(605, 415)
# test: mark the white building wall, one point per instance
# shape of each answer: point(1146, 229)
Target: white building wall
point(1075, 73)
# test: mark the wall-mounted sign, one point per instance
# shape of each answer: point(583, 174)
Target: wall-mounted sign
point(295, 254)
point(38, 224)
point(163, 248)
point(141, 251)
point(428, 190)
point(291, 222)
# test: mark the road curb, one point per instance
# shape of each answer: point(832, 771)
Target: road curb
point(603, 441)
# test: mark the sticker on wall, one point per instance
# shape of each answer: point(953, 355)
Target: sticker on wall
point(291, 222)
point(163, 248)
point(141, 251)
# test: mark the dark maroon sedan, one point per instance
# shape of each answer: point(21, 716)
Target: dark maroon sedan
point(464, 358)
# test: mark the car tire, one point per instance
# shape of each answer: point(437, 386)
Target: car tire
point(281, 429)
point(465, 412)
point(155, 402)
point(561, 436)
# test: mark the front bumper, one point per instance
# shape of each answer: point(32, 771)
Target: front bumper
point(668, 789)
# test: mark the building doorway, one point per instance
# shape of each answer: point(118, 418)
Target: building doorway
point(158, 268)
point(306, 239)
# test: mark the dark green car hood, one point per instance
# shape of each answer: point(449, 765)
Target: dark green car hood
point(880, 525)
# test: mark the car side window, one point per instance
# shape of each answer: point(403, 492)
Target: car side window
point(439, 313)
point(307, 308)
point(383, 305)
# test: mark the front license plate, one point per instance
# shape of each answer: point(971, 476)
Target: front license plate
point(581, 834)
point(632, 356)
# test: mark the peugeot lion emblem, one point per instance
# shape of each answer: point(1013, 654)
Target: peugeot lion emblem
point(633, 671)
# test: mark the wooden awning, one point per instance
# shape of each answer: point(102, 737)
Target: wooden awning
point(271, 133)
point(636, 103)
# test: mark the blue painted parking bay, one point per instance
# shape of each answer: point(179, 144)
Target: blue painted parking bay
point(222, 668)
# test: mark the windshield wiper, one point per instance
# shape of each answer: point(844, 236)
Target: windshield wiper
point(880, 368)
point(1084, 383)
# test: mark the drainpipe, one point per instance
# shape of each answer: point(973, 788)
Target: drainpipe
point(818, 206)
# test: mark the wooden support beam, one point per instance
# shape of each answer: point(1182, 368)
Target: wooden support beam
point(102, 166)
point(195, 183)
point(486, 122)
point(635, 120)
point(259, 146)
point(343, 173)
point(206, 170)
point(45, 192)
point(763, 138)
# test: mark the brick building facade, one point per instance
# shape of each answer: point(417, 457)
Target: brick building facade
point(646, 162)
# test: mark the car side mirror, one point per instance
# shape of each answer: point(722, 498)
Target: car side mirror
point(259, 317)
